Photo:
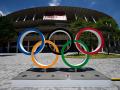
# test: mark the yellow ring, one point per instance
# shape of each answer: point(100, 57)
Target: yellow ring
point(39, 64)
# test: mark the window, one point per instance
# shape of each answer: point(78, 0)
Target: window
point(21, 18)
point(29, 17)
point(37, 17)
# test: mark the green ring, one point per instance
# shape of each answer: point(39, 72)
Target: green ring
point(76, 65)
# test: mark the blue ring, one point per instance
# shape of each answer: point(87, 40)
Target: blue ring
point(23, 34)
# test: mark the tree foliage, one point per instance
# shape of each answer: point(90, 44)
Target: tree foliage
point(7, 30)
point(107, 26)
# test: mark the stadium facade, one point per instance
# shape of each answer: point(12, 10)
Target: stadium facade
point(47, 19)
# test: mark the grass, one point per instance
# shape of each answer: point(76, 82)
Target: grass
point(96, 56)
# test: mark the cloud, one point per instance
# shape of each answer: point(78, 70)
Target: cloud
point(92, 3)
point(5, 13)
point(54, 3)
point(1, 13)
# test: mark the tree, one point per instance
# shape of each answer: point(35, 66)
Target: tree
point(81, 23)
point(107, 25)
point(7, 29)
point(110, 30)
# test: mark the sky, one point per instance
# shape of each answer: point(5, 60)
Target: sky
point(110, 7)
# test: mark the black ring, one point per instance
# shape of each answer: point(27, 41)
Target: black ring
point(70, 34)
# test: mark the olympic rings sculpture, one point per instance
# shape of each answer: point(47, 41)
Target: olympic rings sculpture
point(80, 45)
point(23, 34)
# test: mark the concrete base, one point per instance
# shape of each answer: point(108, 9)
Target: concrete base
point(61, 77)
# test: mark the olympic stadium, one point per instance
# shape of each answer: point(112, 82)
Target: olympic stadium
point(48, 19)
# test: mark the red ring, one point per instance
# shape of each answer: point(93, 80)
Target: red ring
point(80, 48)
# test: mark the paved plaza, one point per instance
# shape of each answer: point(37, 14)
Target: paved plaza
point(13, 64)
